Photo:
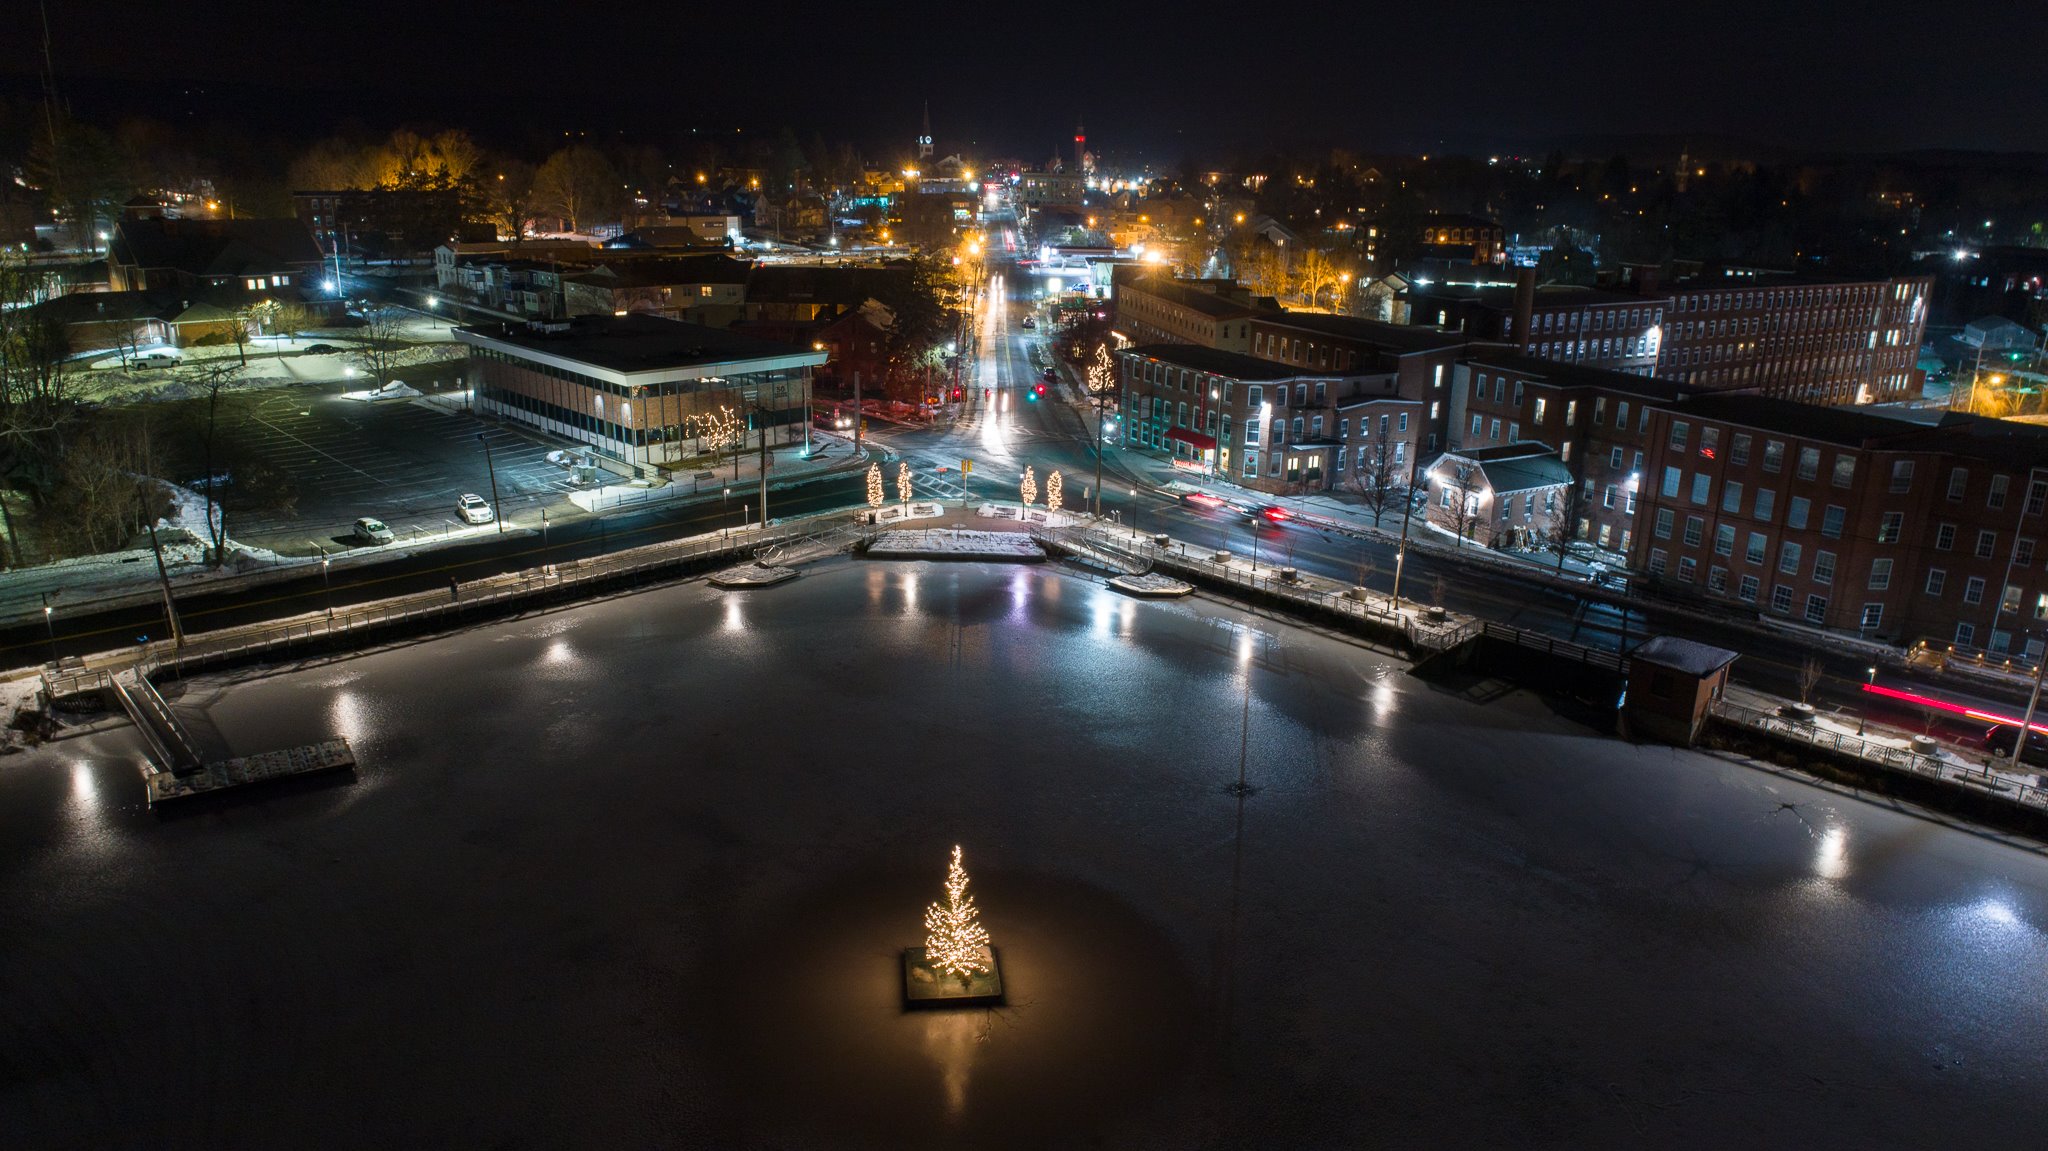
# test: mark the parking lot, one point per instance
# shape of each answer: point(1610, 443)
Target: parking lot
point(405, 462)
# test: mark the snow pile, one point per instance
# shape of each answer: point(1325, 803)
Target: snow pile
point(395, 390)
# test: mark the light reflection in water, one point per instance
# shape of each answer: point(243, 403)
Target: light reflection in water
point(85, 791)
point(735, 617)
point(1831, 855)
point(348, 716)
point(950, 1039)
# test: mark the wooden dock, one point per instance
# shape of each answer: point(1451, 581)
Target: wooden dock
point(242, 771)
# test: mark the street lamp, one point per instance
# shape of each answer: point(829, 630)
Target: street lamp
point(326, 588)
point(50, 625)
point(1134, 514)
point(497, 509)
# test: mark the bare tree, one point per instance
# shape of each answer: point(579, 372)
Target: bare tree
point(1375, 477)
point(1461, 480)
point(381, 346)
point(578, 184)
point(510, 194)
point(1562, 510)
point(1313, 272)
point(1809, 677)
point(290, 318)
point(217, 380)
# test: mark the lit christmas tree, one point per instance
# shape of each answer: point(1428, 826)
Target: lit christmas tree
point(1029, 488)
point(874, 485)
point(903, 481)
point(1054, 486)
point(955, 938)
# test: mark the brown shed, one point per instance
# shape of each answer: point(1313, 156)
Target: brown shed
point(1671, 682)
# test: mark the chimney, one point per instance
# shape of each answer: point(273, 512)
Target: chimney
point(1525, 304)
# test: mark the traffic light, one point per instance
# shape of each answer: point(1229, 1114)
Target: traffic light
point(1039, 390)
point(1031, 396)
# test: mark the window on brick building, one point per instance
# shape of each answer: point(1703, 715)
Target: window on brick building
point(1809, 463)
point(1788, 558)
point(1987, 544)
point(1936, 580)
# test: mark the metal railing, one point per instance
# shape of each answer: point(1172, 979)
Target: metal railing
point(1902, 759)
point(466, 599)
point(1309, 592)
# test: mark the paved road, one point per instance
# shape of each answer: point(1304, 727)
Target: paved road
point(418, 571)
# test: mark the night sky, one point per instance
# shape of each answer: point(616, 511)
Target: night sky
point(1154, 81)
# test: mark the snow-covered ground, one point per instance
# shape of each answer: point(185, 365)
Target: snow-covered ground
point(955, 543)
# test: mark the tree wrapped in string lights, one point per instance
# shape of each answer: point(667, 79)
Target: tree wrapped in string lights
point(958, 965)
point(903, 481)
point(955, 941)
point(1055, 488)
point(720, 428)
point(875, 485)
point(1029, 488)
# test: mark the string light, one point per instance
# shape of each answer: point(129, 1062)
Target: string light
point(903, 481)
point(720, 427)
point(955, 938)
point(874, 485)
point(1053, 488)
point(1029, 488)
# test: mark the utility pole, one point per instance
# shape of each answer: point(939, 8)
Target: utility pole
point(2027, 720)
point(497, 510)
point(1401, 555)
point(859, 418)
point(761, 419)
point(164, 578)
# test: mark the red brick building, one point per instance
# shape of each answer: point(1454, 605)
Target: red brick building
point(1262, 424)
point(1848, 521)
point(1814, 340)
point(1596, 420)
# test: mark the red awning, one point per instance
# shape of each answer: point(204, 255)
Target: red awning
point(1193, 439)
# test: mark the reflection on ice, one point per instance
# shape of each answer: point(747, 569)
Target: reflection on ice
point(1831, 855)
point(348, 716)
point(950, 1039)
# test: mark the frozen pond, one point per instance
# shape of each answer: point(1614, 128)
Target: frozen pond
point(637, 874)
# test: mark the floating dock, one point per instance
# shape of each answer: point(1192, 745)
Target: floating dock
point(243, 771)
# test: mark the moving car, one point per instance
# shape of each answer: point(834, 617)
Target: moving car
point(2000, 737)
point(370, 530)
point(474, 510)
point(1051, 375)
point(1029, 322)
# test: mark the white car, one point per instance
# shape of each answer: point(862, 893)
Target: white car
point(370, 530)
point(474, 510)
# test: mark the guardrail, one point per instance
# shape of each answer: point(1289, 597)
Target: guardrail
point(1879, 754)
point(465, 599)
point(1307, 592)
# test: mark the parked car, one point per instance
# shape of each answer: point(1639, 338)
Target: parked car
point(153, 358)
point(370, 530)
point(321, 349)
point(1029, 322)
point(474, 509)
point(1999, 738)
point(1051, 376)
